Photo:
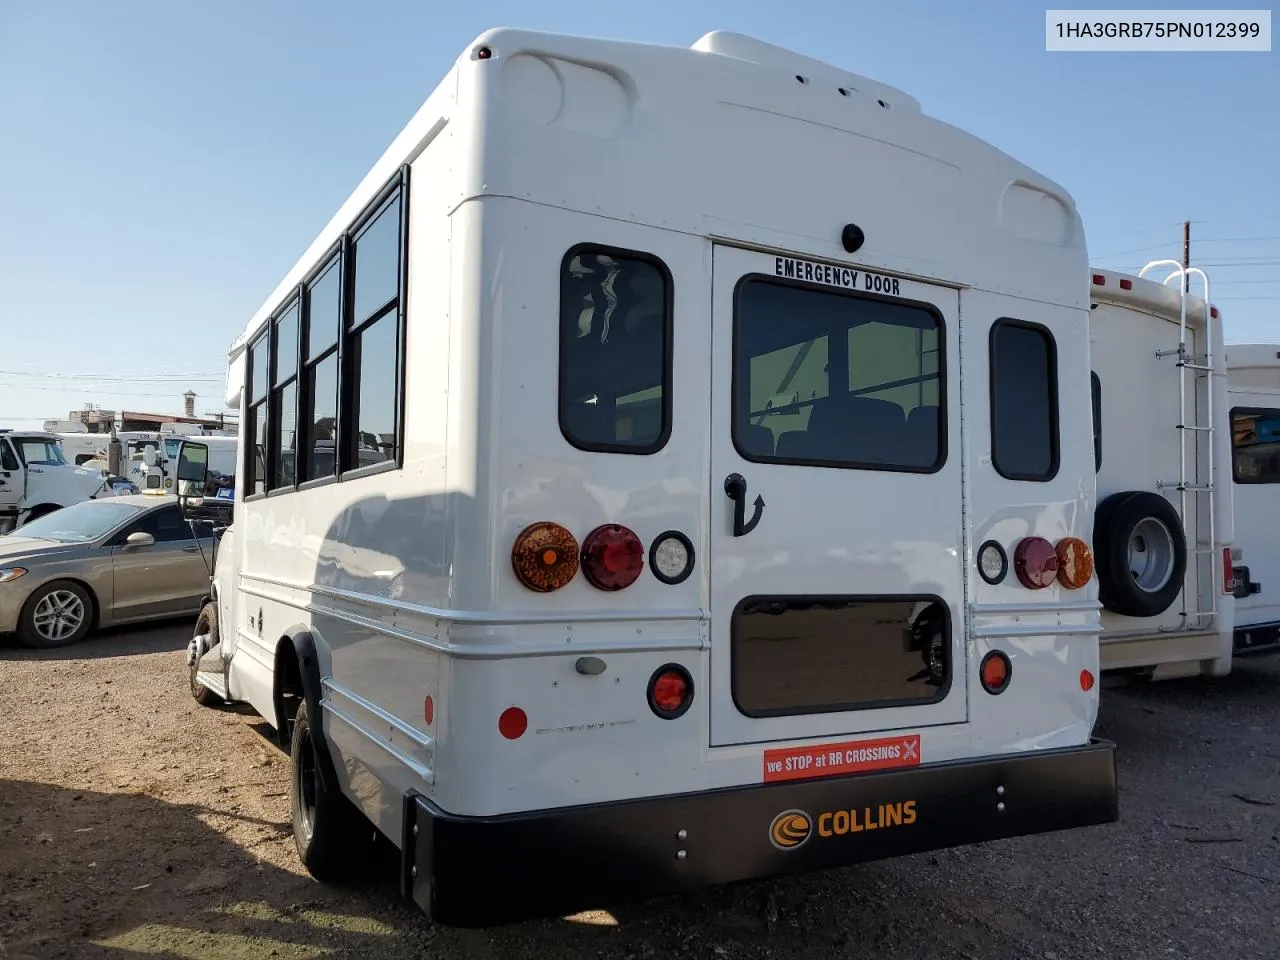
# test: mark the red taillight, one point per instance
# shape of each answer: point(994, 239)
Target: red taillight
point(612, 557)
point(1036, 563)
point(994, 672)
point(1213, 312)
point(1126, 284)
point(670, 691)
point(545, 556)
point(1099, 280)
point(513, 723)
point(1228, 572)
point(1086, 681)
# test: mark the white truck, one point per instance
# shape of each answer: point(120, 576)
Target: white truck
point(1163, 525)
point(1253, 374)
point(710, 423)
point(36, 478)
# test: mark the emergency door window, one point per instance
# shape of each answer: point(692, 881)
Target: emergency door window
point(794, 655)
point(1255, 443)
point(836, 380)
point(615, 342)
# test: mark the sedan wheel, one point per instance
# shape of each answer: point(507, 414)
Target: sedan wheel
point(57, 615)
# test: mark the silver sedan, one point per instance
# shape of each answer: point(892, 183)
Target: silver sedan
point(99, 563)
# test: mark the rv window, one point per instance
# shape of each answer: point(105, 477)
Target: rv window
point(1255, 442)
point(1024, 401)
point(814, 654)
point(1096, 385)
point(829, 379)
point(615, 364)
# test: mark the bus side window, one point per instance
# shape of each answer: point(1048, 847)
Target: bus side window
point(615, 350)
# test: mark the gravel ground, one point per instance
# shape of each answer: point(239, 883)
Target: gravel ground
point(134, 823)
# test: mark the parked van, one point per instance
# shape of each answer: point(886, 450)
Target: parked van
point(1164, 523)
point(713, 490)
point(1253, 375)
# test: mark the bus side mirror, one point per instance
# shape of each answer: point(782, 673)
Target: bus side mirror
point(193, 469)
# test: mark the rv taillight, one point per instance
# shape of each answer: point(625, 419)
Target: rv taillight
point(1126, 284)
point(612, 557)
point(1228, 572)
point(545, 556)
point(1099, 280)
point(1036, 563)
point(1075, 562)
point(1213, 312)
point(670, 691)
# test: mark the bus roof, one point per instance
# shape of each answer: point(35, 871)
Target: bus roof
point(752, 122)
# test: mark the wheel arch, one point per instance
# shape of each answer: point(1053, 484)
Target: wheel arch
point(95, 602)
point(296, 678)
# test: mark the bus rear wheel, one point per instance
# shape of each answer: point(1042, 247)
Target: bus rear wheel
point(325, 823)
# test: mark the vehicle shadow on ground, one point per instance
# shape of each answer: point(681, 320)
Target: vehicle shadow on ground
point(126, 641)
point(90, 874)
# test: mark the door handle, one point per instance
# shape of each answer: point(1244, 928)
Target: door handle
point(735, 485)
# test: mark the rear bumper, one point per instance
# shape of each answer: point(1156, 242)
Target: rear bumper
point(483, 871)
point(1257, 638)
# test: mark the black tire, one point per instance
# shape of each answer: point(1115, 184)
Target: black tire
point(1150, 521)
point(206, 622)
point(326, 825)
point(68, 596)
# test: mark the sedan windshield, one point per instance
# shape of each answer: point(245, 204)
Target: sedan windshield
point(79, 522)
point(41, 453)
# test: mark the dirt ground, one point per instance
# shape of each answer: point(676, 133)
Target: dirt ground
point(134, 823)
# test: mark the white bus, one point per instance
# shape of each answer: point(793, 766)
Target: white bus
point(734, 487)
point(1163, 525)
point(1253, 371)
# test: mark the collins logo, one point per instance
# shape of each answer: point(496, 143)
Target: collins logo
point(790, 829)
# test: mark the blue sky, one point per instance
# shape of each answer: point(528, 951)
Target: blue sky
point(165, 163)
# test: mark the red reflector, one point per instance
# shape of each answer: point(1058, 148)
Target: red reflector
point(1086, 681)
point(1099, 280)
point(1126, 284)
point(428, 710)
point(1213, 312)
point(513, 723)
point(1036, 563)
point(1228, 572)
point(994, 672)
point(670, 691)
point(612, 557)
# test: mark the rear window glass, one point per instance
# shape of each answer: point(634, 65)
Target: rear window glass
point(1255, 442)
point(1024, 401)
point(819, 654)
point(615, 379)
point(830, 379)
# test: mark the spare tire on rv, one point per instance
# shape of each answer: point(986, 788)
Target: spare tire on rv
point(1140, 552)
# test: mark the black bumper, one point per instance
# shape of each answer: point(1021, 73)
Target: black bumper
point(482, 871)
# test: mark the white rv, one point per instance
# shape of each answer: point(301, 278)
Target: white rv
point(1253, 375)
point(1163, 527)
point(36, 478)
point(733, 487)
